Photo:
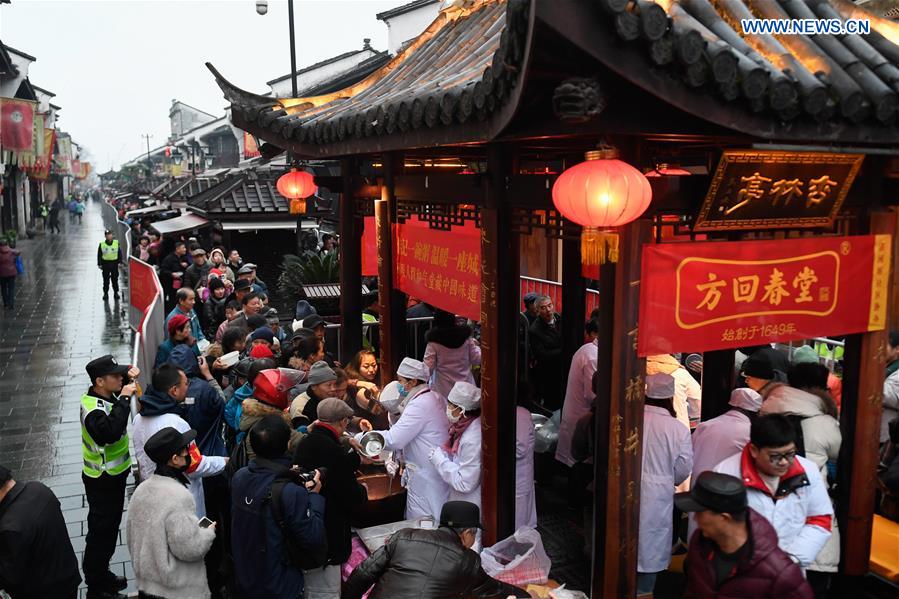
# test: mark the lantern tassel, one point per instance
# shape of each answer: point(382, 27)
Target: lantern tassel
point(597, 246)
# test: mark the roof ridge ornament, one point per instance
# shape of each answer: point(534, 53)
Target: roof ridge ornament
point(453, 9)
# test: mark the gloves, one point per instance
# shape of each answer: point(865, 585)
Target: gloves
point(436, 456)
point(392, 466)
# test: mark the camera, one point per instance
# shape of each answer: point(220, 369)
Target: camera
point(301, 477)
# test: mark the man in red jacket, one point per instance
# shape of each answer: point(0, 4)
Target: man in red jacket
point(734, 553)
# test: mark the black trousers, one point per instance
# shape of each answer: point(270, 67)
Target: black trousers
point(111, 273)
point(105, 500)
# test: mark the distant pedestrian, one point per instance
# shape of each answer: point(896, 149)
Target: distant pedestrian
point(8, 274)
point(36, 556)
point(105, 409)
point(735, 552)
point(545, 338)
point(450, 354)
point(79, 210)
point(54, 216)
point(72, 203)
point(171, 270)
point(109, 257)
point(166, 544)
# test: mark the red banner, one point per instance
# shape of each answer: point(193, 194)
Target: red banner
point(442, 268)
point(16, 124)
point(369, 248)
point(143, 287)
point(693, 300)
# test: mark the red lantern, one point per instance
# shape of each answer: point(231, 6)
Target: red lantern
point(296, 184)
point(600, 193)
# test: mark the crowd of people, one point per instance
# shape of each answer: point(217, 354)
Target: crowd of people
point(249, 439)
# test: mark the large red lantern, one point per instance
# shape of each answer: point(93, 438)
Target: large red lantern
point(601, 193)
point(297, 185)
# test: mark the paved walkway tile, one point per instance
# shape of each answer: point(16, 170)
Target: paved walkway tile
point(59, 324)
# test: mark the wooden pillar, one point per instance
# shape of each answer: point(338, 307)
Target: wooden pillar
point(574, 300)
point(499, 326)
point(860, 414)
point(619, 502)
point(392, 301)
point(350, 266)
point(717, 382)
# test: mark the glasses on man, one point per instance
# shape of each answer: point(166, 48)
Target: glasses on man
point(777, 458)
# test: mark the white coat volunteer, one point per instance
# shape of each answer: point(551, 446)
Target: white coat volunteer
point(459, 461)
point(421, 427)
point(525, 493)
point(579, 397)
point(667, 461)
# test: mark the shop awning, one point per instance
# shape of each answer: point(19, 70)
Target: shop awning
point(147, 210)
point(185, 222)
point(268, 225)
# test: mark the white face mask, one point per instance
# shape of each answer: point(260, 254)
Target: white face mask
point(450, 416)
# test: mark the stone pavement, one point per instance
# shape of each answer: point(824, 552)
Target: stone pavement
point(59, 324)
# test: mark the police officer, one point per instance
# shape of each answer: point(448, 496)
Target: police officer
point(108, 259)
point(105, 410)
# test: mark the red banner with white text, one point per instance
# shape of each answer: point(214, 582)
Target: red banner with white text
point(442, 268)
point(705, 296)
point(17, 124)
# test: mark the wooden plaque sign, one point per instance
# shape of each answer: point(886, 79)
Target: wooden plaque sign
point(777, 190)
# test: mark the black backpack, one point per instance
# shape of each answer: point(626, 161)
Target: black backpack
point(302, 558)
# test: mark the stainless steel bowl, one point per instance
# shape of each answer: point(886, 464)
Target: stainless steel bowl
point(372, 444)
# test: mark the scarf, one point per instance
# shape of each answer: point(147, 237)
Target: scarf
point(455, 433)
point(173, 473)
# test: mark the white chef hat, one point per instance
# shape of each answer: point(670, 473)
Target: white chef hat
point(659, 386)
point(465, 395)
point(746, 398)
point(413, 369)
point(390, 397)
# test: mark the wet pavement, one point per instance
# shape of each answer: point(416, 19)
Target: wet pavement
point(59, 324)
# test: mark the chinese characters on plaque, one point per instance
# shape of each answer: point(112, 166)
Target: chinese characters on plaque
point(777, 190)
point(442, 268)
point(693, 299)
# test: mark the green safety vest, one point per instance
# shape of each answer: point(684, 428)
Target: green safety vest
point(112, 459)
point(108, 252)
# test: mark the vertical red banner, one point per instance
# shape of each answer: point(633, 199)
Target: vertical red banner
point(369, 248)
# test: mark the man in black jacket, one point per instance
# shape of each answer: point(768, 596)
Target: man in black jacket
point(174, 262)
point(36, 555)
point(343, 495)
point(438, 564)
point(545, 338)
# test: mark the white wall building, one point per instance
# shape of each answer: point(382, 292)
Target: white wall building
point(406, 22)
point(315, 74)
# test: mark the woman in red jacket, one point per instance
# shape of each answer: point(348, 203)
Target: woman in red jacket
point(8, 273)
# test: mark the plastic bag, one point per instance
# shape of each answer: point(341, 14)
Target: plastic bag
point(547, 435)
point(563, 593)
point(518, 560)
point(20, 266)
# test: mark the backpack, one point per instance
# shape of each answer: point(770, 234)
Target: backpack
point(239, 457)
point(301, 558)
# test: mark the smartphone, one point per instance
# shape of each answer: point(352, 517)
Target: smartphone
point(205, 522)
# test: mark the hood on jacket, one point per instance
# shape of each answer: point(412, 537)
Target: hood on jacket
point(184, 358)
point(784, 399)
point(451, 337)
point(156, 403)
point(253, 410)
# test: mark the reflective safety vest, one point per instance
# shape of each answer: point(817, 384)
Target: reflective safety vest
point(112, 459)
point(109, 252)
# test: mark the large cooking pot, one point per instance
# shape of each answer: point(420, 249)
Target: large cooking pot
point(386, 501)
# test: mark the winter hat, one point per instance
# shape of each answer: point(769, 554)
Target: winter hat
point(332, 409)
point(746, 398)
point(263, 333)
point(390, 397)
point(242, 368)
point(255, 321)
point(216, 271)
point(242, 284)
point(413, 369)
point(313, 321)
point(659, 386)
point(466, 396)
point(244, 270)
point(805, 355)
point(176, 323)
point(261, 351)
point(320, 372)
point(216, 283)
point(758, 367)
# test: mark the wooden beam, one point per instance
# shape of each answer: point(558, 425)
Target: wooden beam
point(616, 575)
point(350, 229)
point(499, 328)
point(392, 301)
point(574, 300)
point(860, 414)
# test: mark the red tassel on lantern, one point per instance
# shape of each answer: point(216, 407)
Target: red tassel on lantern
point(601, 193)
